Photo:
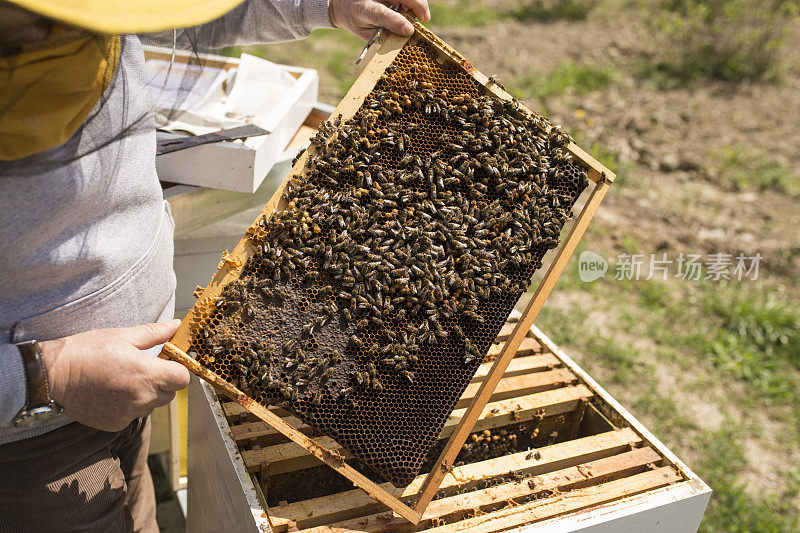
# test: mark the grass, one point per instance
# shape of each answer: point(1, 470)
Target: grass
point(729, 40)
point(568, 77)
point(743, 169)
point(747, 331)
point(732, 508)
point(758, 338)
point(684, 325)
point(472, 13)
point(551, 10)
point(464, 13)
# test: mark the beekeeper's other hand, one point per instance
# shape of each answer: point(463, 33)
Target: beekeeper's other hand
point(103, 378)
point(363, 17)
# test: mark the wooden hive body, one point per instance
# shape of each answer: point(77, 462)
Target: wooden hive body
point(590, 467)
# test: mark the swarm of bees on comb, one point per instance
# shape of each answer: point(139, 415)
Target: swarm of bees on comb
point(409, 218)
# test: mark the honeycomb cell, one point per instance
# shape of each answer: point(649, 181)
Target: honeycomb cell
point(370, 300)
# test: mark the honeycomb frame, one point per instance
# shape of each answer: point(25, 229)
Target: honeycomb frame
point(232, 265)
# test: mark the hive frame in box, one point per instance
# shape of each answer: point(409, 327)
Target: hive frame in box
point(232, 265)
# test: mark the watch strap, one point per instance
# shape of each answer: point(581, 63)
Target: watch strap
point(35, 374)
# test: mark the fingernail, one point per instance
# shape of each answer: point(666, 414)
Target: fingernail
point(174, 322)
point(408, 29)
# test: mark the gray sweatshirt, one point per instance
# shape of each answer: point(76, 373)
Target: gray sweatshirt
point(88, 244)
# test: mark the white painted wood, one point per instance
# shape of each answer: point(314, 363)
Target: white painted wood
point(240, 166)
point(676, 508)
point(673, 509)
point(220, 494)
point(602, 395)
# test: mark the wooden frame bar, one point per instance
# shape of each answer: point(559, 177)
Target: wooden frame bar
point(352, 504)
point(452, 508)
point(565, 251)
point(676, 506)
point(331, 458)
point(231, 266)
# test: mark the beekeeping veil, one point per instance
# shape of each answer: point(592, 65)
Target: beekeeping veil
point(58, 59)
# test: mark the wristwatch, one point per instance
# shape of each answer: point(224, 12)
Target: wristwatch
point(40, 408)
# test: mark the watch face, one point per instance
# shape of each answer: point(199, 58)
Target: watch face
point(36, 416)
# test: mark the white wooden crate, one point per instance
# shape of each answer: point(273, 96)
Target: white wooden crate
point(240, 166)
point(227, 470)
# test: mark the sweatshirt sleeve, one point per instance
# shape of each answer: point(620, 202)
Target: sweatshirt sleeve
point(252, 22)
point(12, 383)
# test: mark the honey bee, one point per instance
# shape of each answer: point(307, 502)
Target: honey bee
point(356, 341)
point(345, 393)
point(402, 249)
point(316, 399)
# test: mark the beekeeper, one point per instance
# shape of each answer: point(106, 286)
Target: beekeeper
point(86, 280)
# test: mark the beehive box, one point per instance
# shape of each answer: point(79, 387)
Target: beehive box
point(489, 185)
point(239, 166)
point(552, 451)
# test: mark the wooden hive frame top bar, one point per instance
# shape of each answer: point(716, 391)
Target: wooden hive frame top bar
point(231, 267)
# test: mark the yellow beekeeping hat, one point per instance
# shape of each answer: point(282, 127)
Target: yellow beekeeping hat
point(129, 16)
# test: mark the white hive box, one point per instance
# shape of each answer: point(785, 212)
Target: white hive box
point(600, 470)
point(239, 166)
point(211, 221)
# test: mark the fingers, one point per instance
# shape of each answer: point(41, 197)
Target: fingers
point(149, 335)
point(379, 15)
point(163, 398)
point(419, 8)
point(365, 34)
point(170, 376)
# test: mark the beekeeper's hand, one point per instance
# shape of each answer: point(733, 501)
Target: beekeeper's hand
point(363, 17)
point(104, 380)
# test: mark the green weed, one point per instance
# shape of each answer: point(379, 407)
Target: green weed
point(730, 40)
point(742, 169)
point(463, 13)
point(561, 324)
point(749, 332)
point(758, 340)
point(550, 10)
point(624, 362)
point(732, 509)
point(471, 13)
point(567, 77)
point(664, 415)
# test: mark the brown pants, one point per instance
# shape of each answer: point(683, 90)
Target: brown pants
point(76, 478)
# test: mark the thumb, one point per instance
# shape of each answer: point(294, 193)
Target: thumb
point(380, 16)
point(149, 335)
point(169, 375)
